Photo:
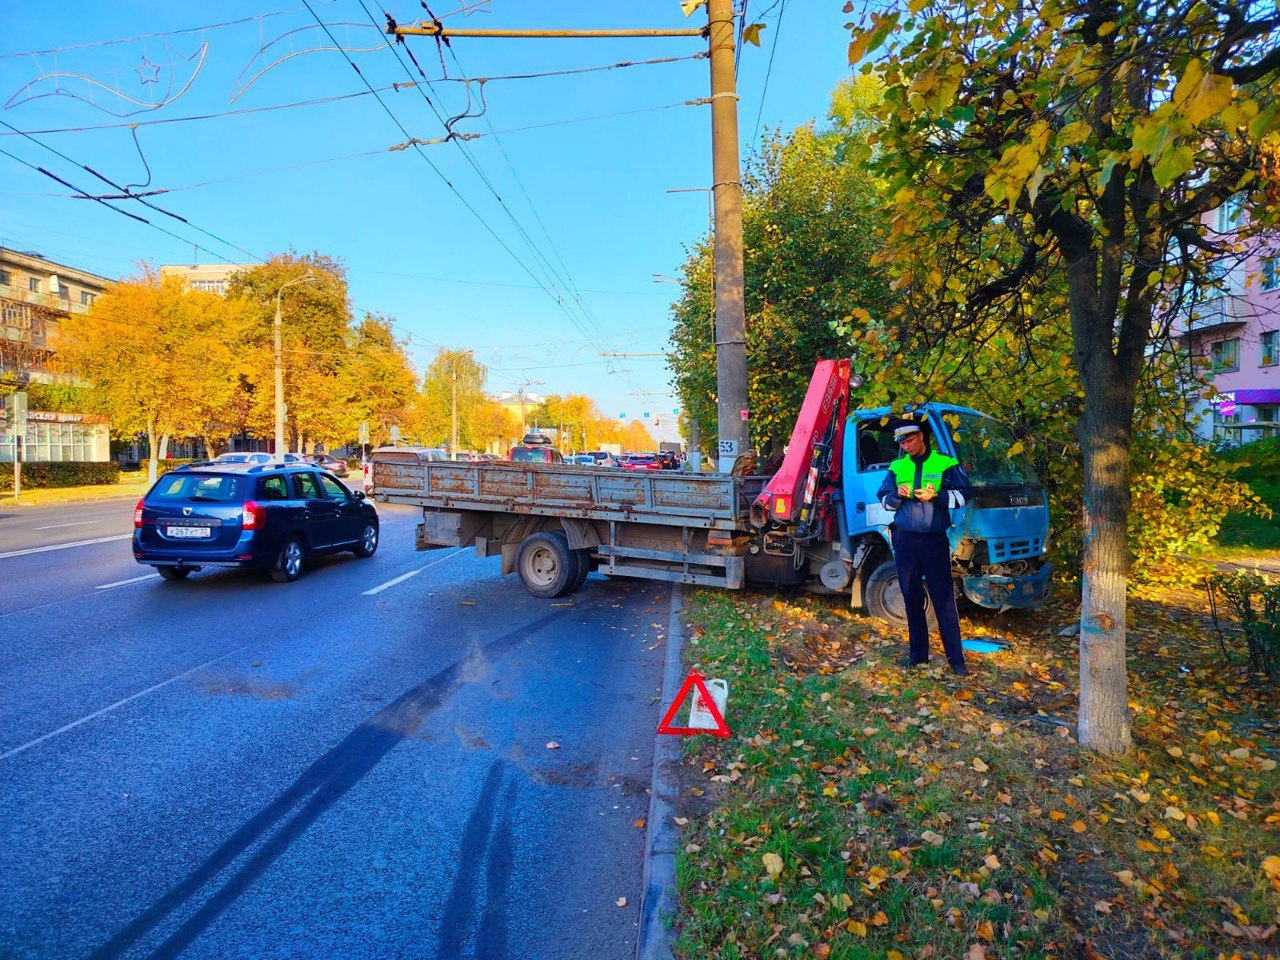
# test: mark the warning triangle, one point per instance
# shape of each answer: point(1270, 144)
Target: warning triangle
point(695, 681)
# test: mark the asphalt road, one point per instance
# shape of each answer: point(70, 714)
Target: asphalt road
point(405, 756)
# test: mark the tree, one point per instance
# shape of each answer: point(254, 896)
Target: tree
point(811, 213)
point(379, 381)
point(160, 358)
point(1092, 139)
point(433, 416)
point(316, 328)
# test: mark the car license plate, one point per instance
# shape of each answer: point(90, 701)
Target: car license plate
point(188, 533)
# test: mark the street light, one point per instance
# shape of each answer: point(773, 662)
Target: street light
point(278, 328)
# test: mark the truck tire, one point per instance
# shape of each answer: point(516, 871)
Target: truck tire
point(883, 597)
point(546, 565)
point(584, 567)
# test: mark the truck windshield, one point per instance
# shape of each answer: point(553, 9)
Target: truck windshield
point(983, 450)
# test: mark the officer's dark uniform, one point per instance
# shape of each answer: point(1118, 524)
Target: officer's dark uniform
point(921, 549)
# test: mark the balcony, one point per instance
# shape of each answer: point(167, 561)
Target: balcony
point(1220, 313)
point(47, 300)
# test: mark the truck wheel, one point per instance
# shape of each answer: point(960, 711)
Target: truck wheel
point(584, 567)
point(546, 565)
point(884, 597)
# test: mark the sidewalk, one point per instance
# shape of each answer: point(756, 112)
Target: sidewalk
point(133, 484)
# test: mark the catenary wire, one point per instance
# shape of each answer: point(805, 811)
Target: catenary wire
point(126, 213)
point(439, 173)
point(589, 326)
point(777, 29)
point(141, 200)
point(528, 240)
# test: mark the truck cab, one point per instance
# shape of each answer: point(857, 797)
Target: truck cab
point(998, 540)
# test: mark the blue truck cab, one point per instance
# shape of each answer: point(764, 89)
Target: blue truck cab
point(998, 540)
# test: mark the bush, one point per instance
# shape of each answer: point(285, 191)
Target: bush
point(164, 466)
point(1256, 605)
point(66, 474)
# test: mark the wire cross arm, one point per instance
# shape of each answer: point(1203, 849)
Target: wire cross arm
point(433, 30)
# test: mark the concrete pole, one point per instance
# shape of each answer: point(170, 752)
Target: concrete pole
point(278, 331)
point(278, 328)
point(731, 323)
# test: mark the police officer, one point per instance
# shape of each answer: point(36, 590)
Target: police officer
point(921, 489)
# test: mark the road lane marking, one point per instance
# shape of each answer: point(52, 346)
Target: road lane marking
point(412, 573)
point(121, 583)
point(63, 546)
point(119, 703)
point(55, 526)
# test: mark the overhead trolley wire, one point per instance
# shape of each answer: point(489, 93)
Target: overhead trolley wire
point(589, 327)
point(537, 217)
point(126, 213)
point(553, 275)
point(126, 193)
point(438, 172)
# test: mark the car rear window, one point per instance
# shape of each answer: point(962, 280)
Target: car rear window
point(529, 455)
point(198, 486)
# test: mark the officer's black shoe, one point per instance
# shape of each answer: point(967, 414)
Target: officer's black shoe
point(960, 670)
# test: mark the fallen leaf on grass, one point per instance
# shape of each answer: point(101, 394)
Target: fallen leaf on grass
point(986, 931)
point(980, 766)
point(992, 861)
point(773, 863)
point(1271, 867)
point(1079, 826)
point(856, 927)
point(976, 952)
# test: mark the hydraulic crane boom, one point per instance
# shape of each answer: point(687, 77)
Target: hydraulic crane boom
point(812, 461)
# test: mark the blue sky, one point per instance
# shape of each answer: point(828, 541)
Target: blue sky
point(590, 197)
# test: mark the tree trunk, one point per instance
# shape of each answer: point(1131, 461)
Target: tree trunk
point(1104, 432)
point(152, 453)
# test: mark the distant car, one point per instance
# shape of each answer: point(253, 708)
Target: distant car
point(540, 453)
point(326, 462)
point(535, 439)
point(272, 516)
point(258, 456)
point(584, 459)
point(466, 456)
point(641, 461)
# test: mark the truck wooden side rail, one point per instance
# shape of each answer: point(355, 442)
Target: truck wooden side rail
point(553, 523)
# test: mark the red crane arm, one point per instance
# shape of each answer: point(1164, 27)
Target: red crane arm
point(813, 455)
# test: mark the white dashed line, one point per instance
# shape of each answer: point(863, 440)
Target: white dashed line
point(119, 703)
point(55, 526)
point(405, 576)
point(121, 583)
point(63, 546)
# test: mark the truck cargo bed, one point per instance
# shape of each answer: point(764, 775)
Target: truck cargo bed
point(708, 501)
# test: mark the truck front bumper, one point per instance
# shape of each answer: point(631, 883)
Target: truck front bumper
point(1004, 593)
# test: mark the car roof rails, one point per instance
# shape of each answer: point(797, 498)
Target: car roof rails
point(188, 466)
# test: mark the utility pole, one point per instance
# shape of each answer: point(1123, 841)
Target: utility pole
point(731, 319)
point(453, 440)
point(730, 315)
point(278, 328)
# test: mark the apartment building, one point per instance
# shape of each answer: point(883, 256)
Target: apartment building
point(35, 295)
point(1234, 335)
point(206, 277)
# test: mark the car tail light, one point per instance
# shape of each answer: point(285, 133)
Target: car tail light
point(137, 514)
point(253, 516)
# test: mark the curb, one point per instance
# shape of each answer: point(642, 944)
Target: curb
point(658, 903)
point(26, 505)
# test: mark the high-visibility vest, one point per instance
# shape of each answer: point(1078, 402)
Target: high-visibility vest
point(919, 475)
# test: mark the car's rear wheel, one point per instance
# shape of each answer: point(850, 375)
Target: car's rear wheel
point(288, 566)
point(368, 545)
point(174, 573)
point(546, 565)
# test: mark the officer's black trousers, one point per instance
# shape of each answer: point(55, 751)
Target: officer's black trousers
point(924, 560)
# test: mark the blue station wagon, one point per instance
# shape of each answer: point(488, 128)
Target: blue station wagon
point(270, 516)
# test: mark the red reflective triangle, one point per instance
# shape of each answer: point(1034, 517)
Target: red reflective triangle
point(694, 680)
